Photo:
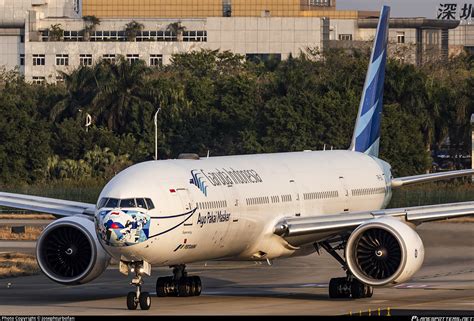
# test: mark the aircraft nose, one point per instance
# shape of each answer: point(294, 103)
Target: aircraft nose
point(122, 227)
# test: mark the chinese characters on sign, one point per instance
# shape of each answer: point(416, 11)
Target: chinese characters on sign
point(453, 11)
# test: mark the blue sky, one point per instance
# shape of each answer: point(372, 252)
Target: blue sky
point(400, 8)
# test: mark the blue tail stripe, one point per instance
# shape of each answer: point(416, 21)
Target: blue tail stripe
point(365, 119)
point(371, 132)
point(381, 37)
point(370, 96)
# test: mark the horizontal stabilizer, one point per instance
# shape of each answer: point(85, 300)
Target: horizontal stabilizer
point(424, 178)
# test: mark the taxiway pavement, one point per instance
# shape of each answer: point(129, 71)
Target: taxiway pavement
point(445, 285)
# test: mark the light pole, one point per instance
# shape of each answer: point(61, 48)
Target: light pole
point(88, 120)
point(156, 132)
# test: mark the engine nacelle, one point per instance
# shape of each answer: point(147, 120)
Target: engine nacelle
point(68, 251)
point(384, 251)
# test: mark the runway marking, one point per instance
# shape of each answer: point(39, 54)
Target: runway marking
point(317, 285)
point(411, 286)
point(446, 274)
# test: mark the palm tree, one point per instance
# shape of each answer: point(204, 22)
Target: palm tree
point(56, 33)
point(178, 29)
point(132, 29)
point(90, 24)
point(119, 88)
point(81, 89)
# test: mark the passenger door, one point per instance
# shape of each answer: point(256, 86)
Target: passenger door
point(344, 194)
point(296, 198)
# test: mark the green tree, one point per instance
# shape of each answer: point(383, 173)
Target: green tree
point(402, 143)
point(81, 89)
point(24, 136)
point(120, 87)
point(90, 25)
point(177, 29)
point(132, 29)
point(56, 32)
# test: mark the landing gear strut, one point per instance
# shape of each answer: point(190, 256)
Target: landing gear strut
point(348, 286)
point(180, 284)
point(138, 297)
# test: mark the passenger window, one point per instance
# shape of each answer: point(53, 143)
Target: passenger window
point(112, 202)
point(128, 202)
point(102, 202)
point(150, 203)
point(141, 203)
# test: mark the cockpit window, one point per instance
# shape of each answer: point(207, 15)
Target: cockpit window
point(150, 203)
point(128, 202)
point(102, 202)
point(112, 202)
point(141, 203)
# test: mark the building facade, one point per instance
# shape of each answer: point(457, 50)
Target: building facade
point(43, 37)
point(462, 38)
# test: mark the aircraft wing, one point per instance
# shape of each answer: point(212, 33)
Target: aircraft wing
point(303, 230)
point(46, 205)
point(408, 180)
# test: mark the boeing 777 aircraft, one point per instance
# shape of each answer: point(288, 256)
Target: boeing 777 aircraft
point(248, 207)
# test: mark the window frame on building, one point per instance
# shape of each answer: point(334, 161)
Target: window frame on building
point(400, 37)
point(39, 80)
point(39, 59)
point(165, 35)
point(111, 58)
point(62, 59)
point(319, 3)
point(345, 37)
point(227, 8)
point(85, 59)
point(132, 58)
point(195, 36)
point(108, 35)
point(72, 35)
point(22, 59)
point(156, 60)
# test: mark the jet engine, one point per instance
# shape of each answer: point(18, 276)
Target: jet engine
point(384, 251)
point(68, 251)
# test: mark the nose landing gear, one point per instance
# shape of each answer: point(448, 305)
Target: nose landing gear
point(180, 284)
point(138, 297)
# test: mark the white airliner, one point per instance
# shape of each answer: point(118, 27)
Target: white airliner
point(249, 207)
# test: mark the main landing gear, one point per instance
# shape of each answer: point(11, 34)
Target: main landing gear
point(349, 286)
point(180, 284)
point(138, 297)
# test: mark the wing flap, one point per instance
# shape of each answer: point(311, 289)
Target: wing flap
point(46, 205)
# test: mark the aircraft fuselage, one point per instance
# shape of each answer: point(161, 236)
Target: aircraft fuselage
point(227, 207)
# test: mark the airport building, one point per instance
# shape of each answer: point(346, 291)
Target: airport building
point(42, 37)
